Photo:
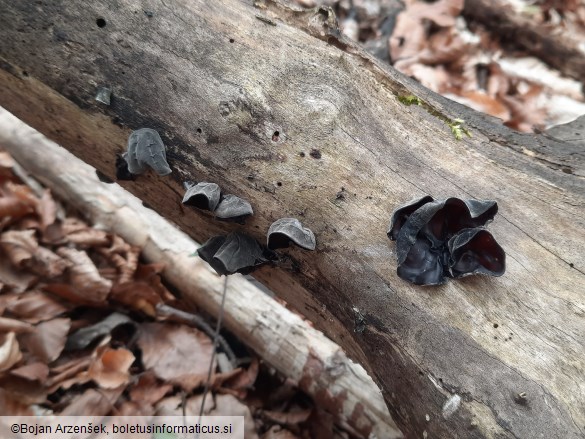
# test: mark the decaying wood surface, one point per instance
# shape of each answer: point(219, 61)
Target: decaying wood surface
point(281, 338)
point(276, 107)
point(562, 50)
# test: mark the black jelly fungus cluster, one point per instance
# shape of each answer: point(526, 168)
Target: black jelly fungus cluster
point(440, 239)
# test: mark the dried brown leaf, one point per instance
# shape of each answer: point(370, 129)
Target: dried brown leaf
point(48, 341)
point(16, 200)
point(84, 275)
point(527, 111)
point(14, 280)
point(9, 351)
point(411, 31)
point(125, 259)
point(23, 250)
point(175, 353)
point(151, 273)
point(444, 46)
point(71, 225)
point(6, 299)
point(12, 405)
point(442, 12)
point(36, 306)
point(71, 294)
point(33, 372)
point(19, 245)
point(138, 295)
point(245, 378)
point(13, 325)
point(110, 368)
point(47, 264)
point(47, 209)
point(148, 389)
point(72, 372)
point(11, 206)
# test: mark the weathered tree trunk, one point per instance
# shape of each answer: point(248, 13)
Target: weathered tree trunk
point(238, 93)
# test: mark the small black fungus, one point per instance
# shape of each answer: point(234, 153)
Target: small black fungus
point(205, 196)
point(232, 208)
point(275, 136)
point(100, 22)
point(234, 253)
point(302, 154)
point(122, 172)
point(286, 230)
point(146, 148)
point(315, 153)
point(437, 239)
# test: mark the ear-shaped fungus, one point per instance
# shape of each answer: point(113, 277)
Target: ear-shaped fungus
point(234, 253)
point(146, 148)
point(432, 238)
point(476, 251)
point(203, 196)
point(401, 214)
point(232, 208)
point(286, 230)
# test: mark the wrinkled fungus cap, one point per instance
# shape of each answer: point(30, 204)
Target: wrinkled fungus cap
point(476, 251)
point(234, 253)
point(286, 230)
point(432, 237)
point(146, 148)
point(203, 196)
point(232, 208)
point(401, 214)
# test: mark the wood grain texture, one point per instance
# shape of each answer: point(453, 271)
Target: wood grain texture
point(217, 105)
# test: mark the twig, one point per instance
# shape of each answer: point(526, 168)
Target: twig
point(215, 339)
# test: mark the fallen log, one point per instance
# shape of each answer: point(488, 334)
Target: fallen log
point(281, 338)
point(274, 106)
